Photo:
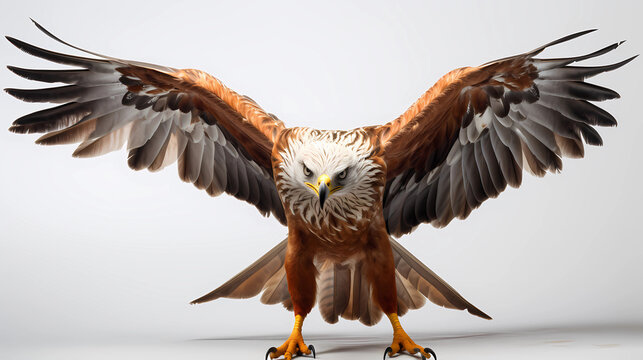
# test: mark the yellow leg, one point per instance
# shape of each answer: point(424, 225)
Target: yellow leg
point(294, 345)
point(402, 341)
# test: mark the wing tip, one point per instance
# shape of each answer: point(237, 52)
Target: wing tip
point(561, 40)
point(16, 93)
point(17, 129)
point(629, 59)
point(47, 32)
point(15, 42)
point(22, 72)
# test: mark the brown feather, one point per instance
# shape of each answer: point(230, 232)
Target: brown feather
point(109, 101)
point(428, 283)
point(408, 297)
point(252, 279)
point(333, 290)
point(506, 103)
point(276, 288)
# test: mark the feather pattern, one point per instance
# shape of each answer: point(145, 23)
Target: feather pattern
point(221, 140)
point(333, 290)
point(429, 284)
point(253, 279)
point(478, 128)
point(343, 289)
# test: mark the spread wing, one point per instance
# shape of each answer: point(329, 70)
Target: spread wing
point(222, 140)
point(477, 128)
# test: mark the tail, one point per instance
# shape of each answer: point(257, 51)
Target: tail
point(266, 274)
point(342, 288)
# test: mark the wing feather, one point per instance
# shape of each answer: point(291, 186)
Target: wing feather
point(478, 128)
point(221, 140)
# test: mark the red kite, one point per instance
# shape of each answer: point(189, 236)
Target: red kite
point(342, 194)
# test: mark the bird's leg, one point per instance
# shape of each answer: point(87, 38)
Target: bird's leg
point(294, 345)
point(402, 341)
point(381, 274)
point(302, 286)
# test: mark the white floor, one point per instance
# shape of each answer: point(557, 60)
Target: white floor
point(622, 342)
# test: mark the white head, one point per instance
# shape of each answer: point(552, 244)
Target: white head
point(328, 173)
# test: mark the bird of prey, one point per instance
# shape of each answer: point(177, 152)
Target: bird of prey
point(343, 195)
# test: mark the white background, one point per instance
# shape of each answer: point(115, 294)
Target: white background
point(92, 251)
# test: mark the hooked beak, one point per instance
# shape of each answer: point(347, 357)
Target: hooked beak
point(323, 194)
point(323, 189)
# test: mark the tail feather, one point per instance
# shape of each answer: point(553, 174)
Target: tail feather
point(408, 297)
point(333, 290)
point(429, 283)
point(253, 279)
point(343, 289)
point(276, 288)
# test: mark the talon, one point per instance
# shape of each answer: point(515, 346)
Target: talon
point(417, 350)
point(270, 351)
point(388, 351)
point(312, 348)
point(293, 346)
point(429, 351)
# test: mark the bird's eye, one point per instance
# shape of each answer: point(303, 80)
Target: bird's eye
point(342, 175)
point(307, 171)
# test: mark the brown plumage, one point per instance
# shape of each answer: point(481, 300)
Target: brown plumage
point(342, 194)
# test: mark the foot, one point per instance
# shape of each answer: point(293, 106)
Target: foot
point(402, 342)
point(294, 345)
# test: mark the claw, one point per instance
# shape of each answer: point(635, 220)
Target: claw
point(310, 348)
point(271, 350)
point(428, 350)
point(388, 351)
point(417, 350)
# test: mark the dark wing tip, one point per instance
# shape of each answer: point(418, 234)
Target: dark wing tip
point(13, 92)
point(578, 34)
point(18, 71)
point(41, 28)
point(17, 43)
point(624, 62)
point(47, 32)
point(561, 40)
point(17, 129)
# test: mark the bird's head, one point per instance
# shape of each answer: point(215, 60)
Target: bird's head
point(328, 168)
point(328, 173)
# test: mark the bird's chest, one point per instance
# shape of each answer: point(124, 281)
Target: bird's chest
point(337, 237)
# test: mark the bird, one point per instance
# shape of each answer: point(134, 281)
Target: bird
point(344, 195)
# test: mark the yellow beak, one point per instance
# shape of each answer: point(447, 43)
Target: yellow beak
point(323, 189)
